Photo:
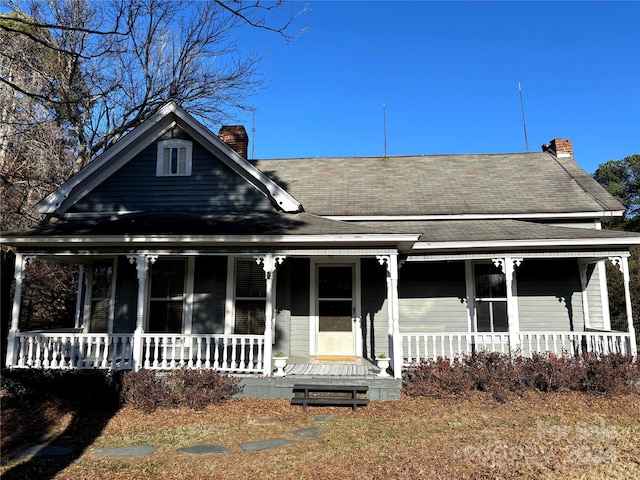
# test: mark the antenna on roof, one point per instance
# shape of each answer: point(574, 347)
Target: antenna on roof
point(524, 123)
point(253, 136)
point(384, 127)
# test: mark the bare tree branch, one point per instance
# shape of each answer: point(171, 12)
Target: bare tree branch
point(76, 75)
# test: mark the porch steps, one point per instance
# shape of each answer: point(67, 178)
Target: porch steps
point(353, 396)
point(380, 388)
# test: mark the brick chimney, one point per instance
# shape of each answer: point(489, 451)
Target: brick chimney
point(559, 147)
point(236, 137)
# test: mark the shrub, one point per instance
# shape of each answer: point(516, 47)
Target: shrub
point(501, 374)
point(440, 378)
point(148, 390)
point(142, 390)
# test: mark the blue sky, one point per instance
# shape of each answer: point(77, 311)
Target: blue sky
point(448, 73)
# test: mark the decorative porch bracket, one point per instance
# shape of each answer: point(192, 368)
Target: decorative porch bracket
point(21, 263)
point(395, 346)
point(142, 267)
point(508, 266)
point(623, 265)
point(269, 263)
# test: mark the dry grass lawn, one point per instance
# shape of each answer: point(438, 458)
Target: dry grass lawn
point(535, 436)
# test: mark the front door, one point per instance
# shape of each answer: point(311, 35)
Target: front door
point(336, 327)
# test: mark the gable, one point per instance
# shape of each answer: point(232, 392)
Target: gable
point(211, 186)
point(134, 145)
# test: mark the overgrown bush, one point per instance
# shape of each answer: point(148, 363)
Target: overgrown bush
point(440, 378)
point(501, 374)
point(148, 390)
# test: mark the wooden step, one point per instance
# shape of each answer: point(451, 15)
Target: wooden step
point(325, 394)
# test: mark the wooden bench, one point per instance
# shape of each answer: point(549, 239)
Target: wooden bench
point(330, 395)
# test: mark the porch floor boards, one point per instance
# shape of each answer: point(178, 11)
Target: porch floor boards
point(362, 368)
point(331, 369)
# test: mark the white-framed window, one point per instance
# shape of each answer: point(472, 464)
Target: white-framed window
point(174, 158)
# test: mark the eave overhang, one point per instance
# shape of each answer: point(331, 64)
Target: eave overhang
point(536, 216)
point(554, 244)
point(403, 241)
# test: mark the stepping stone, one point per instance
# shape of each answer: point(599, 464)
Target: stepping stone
point(204, 449)
point(310, 433)
point(41, 451)
point(326, 418)
point(265, 444)
point(263, 421)
point(138, 451)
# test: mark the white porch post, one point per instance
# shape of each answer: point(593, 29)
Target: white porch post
point(585, 297)
point(21, 263)
point(142, 267)
point(269, 263)
point(509, 265)
point(623, 265)
point(80, 299)
point(395, 345)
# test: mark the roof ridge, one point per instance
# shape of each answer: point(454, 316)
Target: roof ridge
point(388, 157)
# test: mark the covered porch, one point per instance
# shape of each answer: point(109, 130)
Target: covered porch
point(82, 347)
point(365, 292)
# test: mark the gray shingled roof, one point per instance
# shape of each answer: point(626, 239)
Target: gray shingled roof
point(168, 224)
point(521, 183)
point(279, 224)
point(499, 230)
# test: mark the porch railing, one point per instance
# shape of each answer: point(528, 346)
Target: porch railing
point(429, 346)
point(227, 353)
point(74, 350)
point(575, 343)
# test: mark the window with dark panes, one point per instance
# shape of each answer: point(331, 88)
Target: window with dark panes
point(335, 298)
point(174, 158)
point(102, 278)
point(491, 298)
point(166, 300)
point(250, 298)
